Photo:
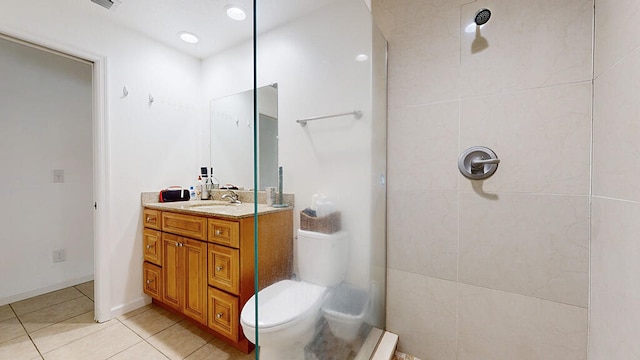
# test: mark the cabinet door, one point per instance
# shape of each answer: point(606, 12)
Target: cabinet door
point(223, 314)
point(195, 279)
point(152, 246)
point(224, 268)
point(152, 280)
point(172, 271)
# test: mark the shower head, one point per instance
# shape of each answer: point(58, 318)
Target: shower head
point(107, 4)
point(482, 16)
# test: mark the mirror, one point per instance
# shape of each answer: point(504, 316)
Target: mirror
point(231, 128)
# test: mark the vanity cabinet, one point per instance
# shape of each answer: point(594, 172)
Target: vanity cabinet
point(202, 265)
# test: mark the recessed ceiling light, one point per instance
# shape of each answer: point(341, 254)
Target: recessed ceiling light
point(188, 37)
point(236, 12)
point(362, 57)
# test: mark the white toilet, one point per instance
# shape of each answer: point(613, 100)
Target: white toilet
point(288, 310)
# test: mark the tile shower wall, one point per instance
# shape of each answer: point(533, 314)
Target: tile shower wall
point(615, 269)
point(496, 269)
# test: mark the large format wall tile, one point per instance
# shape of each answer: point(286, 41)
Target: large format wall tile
point(617, 31)
point(423, 232)
point(532, 245)
point(422, 311)
point(423, 147)
point(424, 50)
point(530, 44)
point(615, 279)
point(616, 130)
point(542, 137)
point(494, 325)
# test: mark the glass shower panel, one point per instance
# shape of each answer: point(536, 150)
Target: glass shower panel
point(329, 64)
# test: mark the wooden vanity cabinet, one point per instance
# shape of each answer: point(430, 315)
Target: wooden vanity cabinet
point(205, 265)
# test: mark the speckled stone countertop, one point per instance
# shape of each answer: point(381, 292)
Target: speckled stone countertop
point(211, 208)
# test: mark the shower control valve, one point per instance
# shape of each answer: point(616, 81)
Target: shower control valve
point(478, 163)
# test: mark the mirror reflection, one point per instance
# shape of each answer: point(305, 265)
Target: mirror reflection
point(231, 127)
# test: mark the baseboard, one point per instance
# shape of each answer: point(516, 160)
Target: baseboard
point(47, 289)
point(125, 308)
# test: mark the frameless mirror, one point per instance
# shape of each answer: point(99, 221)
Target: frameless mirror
point(231, 126)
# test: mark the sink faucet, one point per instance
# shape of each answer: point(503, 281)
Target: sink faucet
point(232, 196)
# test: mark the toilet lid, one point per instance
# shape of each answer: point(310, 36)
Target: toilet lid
point(281, 303)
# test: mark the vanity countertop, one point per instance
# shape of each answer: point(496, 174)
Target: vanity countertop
point(213, 208)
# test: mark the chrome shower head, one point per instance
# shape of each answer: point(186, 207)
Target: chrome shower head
point(482, 16)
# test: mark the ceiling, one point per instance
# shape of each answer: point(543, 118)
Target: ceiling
point(162, 20)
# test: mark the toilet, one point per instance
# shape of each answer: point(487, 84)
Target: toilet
point(288, 310)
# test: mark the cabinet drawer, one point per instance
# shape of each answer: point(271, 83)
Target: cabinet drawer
point(191, 226)
point(152, 280)
point(224, 232)
point(224, 268)
point(152, 246)
point(223, 313)
point(152, 219)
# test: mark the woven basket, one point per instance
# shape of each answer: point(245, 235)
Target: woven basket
point(326, 224)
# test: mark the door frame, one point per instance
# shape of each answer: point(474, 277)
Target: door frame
point(100, 122)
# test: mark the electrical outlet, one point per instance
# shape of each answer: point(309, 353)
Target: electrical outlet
point(58, 176)
point(59, 256)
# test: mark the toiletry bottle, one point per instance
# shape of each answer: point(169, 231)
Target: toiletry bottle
point(192, 193)
point(199, 188)
point(206, 184)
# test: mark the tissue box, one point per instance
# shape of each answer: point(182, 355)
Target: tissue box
point(325, 224)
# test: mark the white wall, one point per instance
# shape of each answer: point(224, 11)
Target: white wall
point(45, 124)
point(312, 60)
point(150, 147)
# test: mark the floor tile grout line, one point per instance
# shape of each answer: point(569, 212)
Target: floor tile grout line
point(123, 350)
point(26, 332)
point(158, 350)
point(73, 341)
point(152, 335)
point(82, 292)
point(48, 306)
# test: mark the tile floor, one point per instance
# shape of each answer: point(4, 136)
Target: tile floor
point(60, 325)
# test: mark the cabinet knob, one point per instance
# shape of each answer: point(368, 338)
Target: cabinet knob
point(149, 246)
point(149, 219)
point(149, 281)
point(218, 232)
point(177, 244)
point(219, 315)
point(218, 268)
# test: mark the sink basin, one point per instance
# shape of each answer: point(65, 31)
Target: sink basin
point(212, 204)
point(214, 207)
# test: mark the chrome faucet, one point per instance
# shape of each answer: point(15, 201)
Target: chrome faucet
point(232, 196)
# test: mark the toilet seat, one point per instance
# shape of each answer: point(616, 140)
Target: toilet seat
point(281, 304)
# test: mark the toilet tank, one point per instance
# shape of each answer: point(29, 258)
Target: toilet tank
point(322, 258)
